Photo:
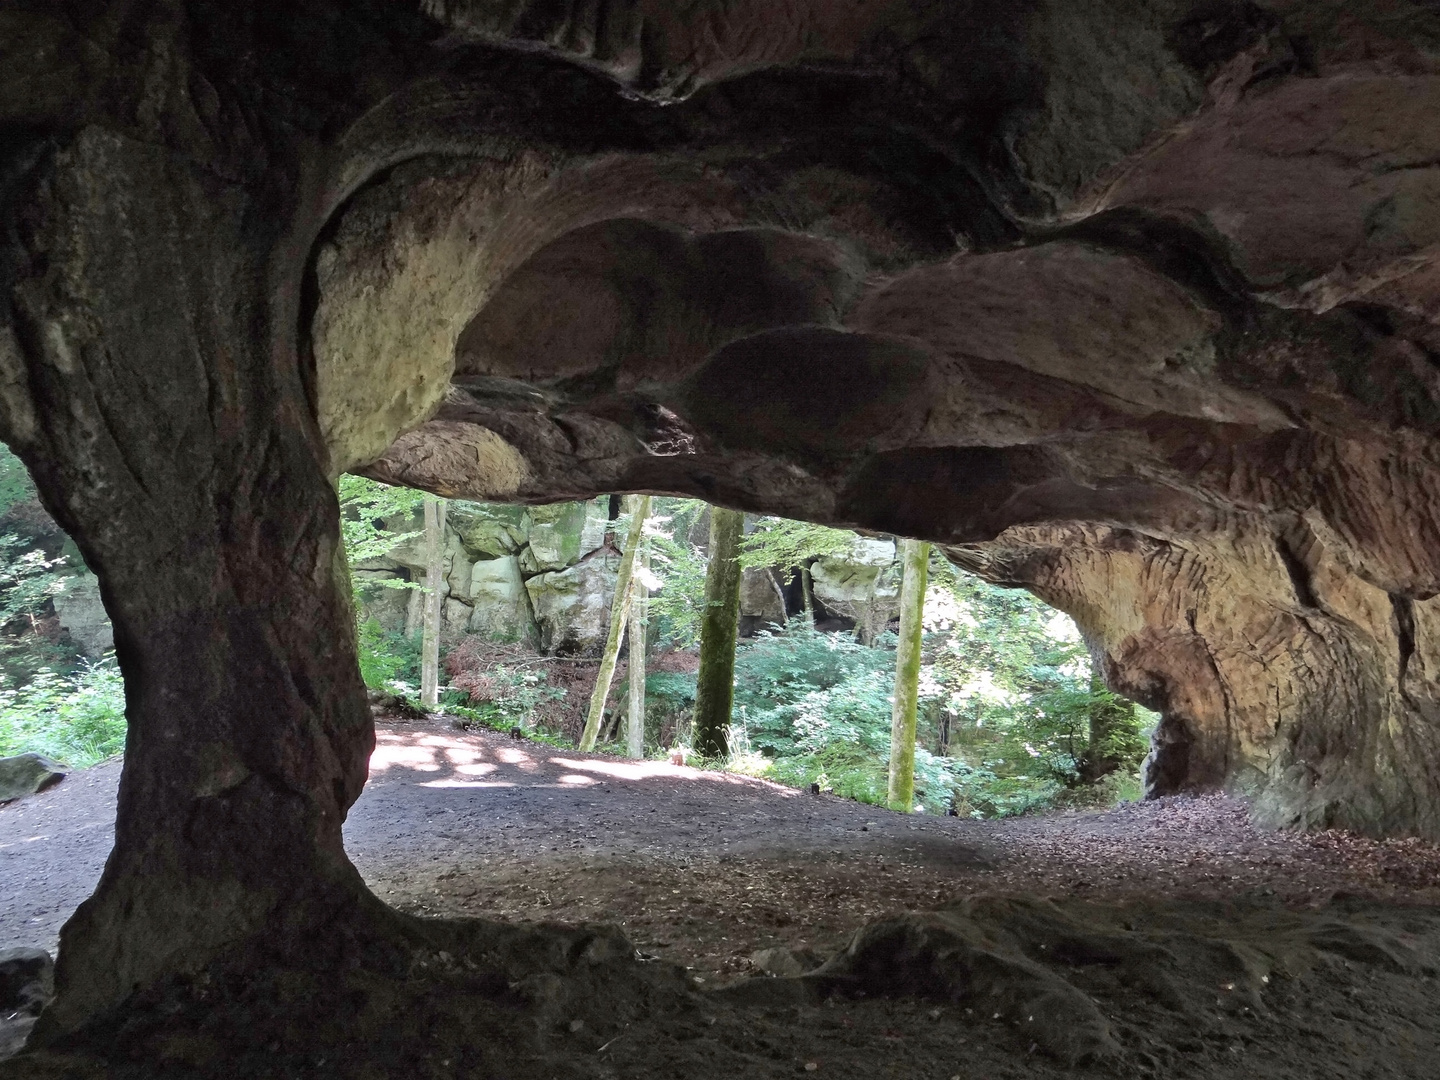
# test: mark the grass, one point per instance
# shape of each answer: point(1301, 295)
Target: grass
point(77, 719)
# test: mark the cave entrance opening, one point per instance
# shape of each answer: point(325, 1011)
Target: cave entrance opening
point(1011, 714)
point(61, 692)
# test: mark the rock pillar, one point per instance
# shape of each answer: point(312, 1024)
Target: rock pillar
point(151, 385)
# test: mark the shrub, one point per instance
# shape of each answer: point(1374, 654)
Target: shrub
point(504, 697)
point(669, 707)
point(78, 719)
point(388, 659)
point(1019, 698)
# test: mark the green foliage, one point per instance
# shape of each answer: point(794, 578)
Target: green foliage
point(467, 716)
point(511, 698)
point(785, 543)
point(674, 690)
point(677, 571)
point(1007, 677)
point(776, 675)
point(388, 660)
point(78, 719)
point(15, 483)
point(28, 580)
point(364, 506)
point(1016, 688)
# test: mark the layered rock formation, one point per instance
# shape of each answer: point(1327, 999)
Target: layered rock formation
point(1149, 290)
point(511, 573)
point(545, 575)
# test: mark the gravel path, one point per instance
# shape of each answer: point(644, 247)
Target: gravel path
point(706, 867)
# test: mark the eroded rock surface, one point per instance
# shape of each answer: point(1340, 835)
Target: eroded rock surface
point(1154, 279)
point(1106, 349)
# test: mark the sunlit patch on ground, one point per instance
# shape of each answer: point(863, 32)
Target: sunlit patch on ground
point(706, 867)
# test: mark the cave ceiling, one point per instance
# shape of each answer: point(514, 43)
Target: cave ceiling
point(1131, 303)
point(1150, 265)
point(1136, 305)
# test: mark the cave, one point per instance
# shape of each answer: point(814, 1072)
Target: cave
point(1131, 303)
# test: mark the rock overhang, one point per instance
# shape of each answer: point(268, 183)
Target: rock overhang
point(1167, 290)
point(1131, 303)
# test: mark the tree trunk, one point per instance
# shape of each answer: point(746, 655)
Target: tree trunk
point(774, 577)
point(434, 601)
point(807, 592)
point(1108, 719)
point(619, 608)
point(163, 414)
point(639, 605)
point(715, 684)
point(915, 558)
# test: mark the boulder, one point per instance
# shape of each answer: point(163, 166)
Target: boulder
point(381, 602)
point(853, 577)
point(26, 774)
point(27, 983)
point(554, 533)
point(759, 599)
point(457, 567)
point(27, 980)
point(572, 606)
point(455, 618)
point(488, 530)
point(82, 614)
point(409, 554)
point(597, 524)
point(783, 962)
point(501, 602)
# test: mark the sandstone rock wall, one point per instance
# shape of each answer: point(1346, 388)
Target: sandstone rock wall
point(511, 573)
point(544, 575)
point(1152, 269)
point(1278, 673)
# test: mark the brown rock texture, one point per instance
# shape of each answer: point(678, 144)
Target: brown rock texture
point(1135, 303)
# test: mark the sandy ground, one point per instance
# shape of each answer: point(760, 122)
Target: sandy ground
point(704, 869)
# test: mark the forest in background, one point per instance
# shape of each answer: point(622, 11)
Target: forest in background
point(1010, 717)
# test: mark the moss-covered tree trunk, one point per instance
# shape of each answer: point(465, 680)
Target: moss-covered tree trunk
point(619, 609)
point(915, 560)
point(434, 600)
point(639, 605)
point(715, 685)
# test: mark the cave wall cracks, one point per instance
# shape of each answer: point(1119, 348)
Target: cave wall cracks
point(1134, 303)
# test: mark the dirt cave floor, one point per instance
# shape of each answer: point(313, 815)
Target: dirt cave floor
point(1279, 954)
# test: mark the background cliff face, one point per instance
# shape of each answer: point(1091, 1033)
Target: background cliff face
point(545, 576)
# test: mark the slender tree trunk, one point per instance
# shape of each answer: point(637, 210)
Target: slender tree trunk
point(619, 607)
point(915, 558)
point(807, 592)
point(639, 605)
point(1106, 718)
point(774, 577)
point(434, 602)
point(715, 685)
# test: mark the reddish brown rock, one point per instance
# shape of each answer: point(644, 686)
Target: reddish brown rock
point(1130, 302)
